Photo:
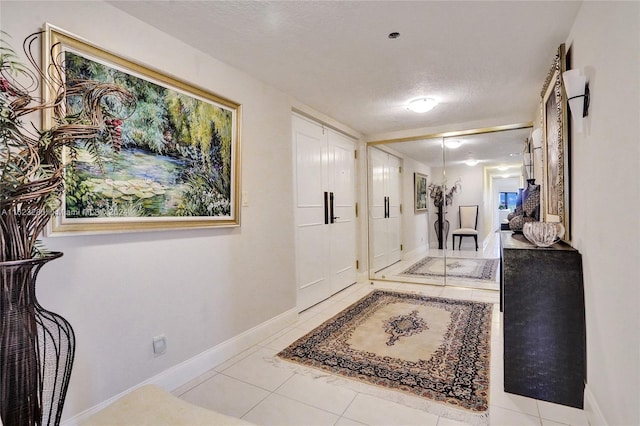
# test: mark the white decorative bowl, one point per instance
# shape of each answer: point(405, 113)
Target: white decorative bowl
point(543, 234)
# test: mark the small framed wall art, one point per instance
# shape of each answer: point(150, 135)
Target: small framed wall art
point(420, 192)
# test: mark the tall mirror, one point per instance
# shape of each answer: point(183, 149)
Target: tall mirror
point(428, 193)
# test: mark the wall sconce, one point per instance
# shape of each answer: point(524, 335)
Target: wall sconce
point(577, 88)
point(471, 162)
point(536, 136)
point(527, 161)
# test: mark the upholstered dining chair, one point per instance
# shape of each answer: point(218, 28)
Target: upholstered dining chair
point(468, 225)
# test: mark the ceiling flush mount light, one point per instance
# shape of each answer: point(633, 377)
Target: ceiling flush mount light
point(452, 143)
point(394, 35)
point(577, 88)
point(422, 104)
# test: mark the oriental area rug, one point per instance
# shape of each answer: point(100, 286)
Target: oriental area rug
point(474, 269)
point(426, 352)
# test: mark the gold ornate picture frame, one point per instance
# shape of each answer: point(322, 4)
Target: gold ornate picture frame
point(179, 162)
point(556, 145)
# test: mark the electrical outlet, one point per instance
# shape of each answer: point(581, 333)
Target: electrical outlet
point(159, 345)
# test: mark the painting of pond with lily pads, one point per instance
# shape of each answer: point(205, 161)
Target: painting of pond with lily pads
point(171, 156)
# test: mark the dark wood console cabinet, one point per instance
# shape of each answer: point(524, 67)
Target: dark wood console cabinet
point(542, 297)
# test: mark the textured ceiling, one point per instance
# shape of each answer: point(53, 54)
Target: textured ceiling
point(481, 60)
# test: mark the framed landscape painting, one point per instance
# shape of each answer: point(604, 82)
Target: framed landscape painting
point(177, 161)
point(556, 145)
point(420, 184)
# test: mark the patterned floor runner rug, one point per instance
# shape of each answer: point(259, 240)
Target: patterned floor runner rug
point(426, 352)
point(474, 269)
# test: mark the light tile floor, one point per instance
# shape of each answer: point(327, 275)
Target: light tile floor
point(251, 387)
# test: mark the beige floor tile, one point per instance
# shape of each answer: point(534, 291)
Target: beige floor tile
point(562, 414)
point(228, 363)
point(348, 422)
point(193, 383)
point(349, 291)
point(375, 411)
point(258, 369)
point(317, 393)
point(352, 298)
point(486, 296)
point(427, 290)
point(552, 423)
point(312, 322)
point(322, 306)
point(443, 421)
point(513, 402)
point(226, 395)
point(499, 416)
point(284, 339)
point(457, 293)
point(336, 309)
point(278, 410)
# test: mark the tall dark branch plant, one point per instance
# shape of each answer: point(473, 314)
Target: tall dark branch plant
point(32, 160)
point(439, 198)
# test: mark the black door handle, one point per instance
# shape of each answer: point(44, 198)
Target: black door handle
point(326, 208)
point(332, 217)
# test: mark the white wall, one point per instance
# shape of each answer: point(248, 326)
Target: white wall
point(472, 192)
point(605, 204)
point(198, 287)
point(415, 225)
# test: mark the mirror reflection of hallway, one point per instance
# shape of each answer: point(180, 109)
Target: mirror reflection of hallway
point(488, 165)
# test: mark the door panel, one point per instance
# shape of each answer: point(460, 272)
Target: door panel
point(311, 237)
point(377, 209)
point(325, 251)
point(343, 229)
point(394, 201)
point(384, 209)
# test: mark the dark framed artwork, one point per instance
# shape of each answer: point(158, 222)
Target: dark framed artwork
point(178, 164)
point(420, 192)
point(556, 145)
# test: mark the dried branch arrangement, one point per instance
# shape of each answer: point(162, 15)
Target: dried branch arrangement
point(438, 197)
point(32, 160)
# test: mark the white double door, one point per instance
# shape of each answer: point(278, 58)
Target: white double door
point(385, 208)
point(325, 183)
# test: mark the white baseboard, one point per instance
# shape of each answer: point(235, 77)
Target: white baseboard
point(423, 249)
point(190, 369)
point(592, 409)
